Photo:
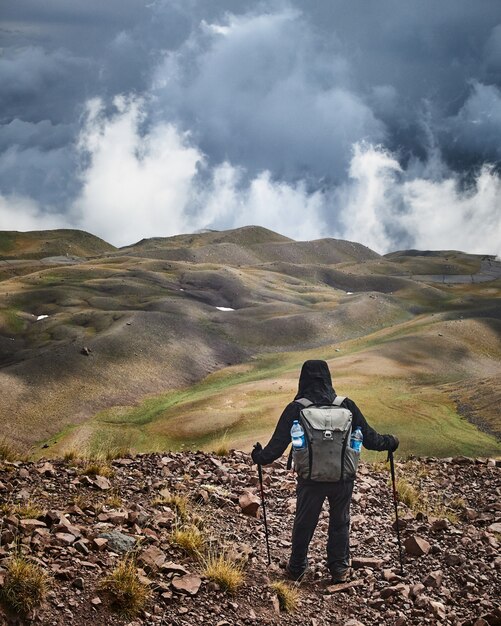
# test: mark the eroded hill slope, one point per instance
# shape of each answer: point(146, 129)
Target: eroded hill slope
point(118, 347)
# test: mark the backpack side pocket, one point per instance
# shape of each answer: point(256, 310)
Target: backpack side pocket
point(351, 459)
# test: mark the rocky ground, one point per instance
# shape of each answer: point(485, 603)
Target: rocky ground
point(77, 526)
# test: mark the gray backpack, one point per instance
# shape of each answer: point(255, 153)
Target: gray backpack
point(327, 456)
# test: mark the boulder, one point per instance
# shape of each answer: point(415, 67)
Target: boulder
point(249, 503)
point(416, 546)
point(118, 542)
point(188, 584)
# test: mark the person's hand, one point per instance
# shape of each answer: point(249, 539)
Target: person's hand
point(394, 443)
point(256, 453)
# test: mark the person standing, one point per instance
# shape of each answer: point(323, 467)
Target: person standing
point(315, 386)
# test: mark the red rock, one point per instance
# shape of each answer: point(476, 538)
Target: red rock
point(100, 543)
point(417, 546)
point(175, 568)
point(29, 525)
point(189, 584)
point(438, 609)
point(440, 524)
point(417, 589)
point(453, 559)
point(101, 482)
point(396, 590)
point(389, 575)
point(344, 586)
point(495, 528)
point(65, 539)
point(152, 558)
point(249, 503)
point(47, 469)
point(366, 561)
point(434, 579)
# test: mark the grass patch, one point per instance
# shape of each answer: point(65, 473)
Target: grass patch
point(97, 468)
point(288, 597)
point(26, 510)
point(26, 585)
point(7, 451)
point(223, 571)
point(114, 501)
point(189, 538)
point(129, 595)
point(71, 455)
point(418, 501)
point(223, 446)
point(179, 504)
point(14, 323)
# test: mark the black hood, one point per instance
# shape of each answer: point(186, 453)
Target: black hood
point(315, 383)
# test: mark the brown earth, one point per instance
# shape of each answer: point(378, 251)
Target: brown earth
point(78, 527)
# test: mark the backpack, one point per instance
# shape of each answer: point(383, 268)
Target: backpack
point(327, 456)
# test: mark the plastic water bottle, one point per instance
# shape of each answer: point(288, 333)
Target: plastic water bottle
point(297, 435)
point(356, 440)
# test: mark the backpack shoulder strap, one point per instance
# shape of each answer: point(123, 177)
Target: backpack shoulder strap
point(304, 401)
point(338, 400)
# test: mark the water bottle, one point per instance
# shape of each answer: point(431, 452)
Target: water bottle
point(297, 435)
point(356, 440)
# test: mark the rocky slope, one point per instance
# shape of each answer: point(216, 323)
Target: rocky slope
point(77, 525)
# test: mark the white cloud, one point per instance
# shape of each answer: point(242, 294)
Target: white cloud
point(136, 185)
point(141, 180)
point(442, 215)
point(383, 205)
point(144, 185)
point(284, 208)
point(367, 204)
point(22, 213)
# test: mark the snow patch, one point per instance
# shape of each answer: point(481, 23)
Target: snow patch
point(41, 317)
point(224, 308)
point(349, 293)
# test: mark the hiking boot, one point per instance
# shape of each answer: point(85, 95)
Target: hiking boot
point(340, 576)
point(294, 575)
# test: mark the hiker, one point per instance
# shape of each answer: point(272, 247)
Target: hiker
point(315, 387)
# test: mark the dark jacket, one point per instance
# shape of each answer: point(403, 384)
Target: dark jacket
point(315, 384)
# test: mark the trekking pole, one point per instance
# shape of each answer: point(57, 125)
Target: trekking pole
point(260, 472)
point(395, 502)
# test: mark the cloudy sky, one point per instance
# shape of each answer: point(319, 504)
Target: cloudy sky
point(378, 122)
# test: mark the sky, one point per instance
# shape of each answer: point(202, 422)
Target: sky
point(377, 122)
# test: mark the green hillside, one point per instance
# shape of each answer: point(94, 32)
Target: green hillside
point(190, 340)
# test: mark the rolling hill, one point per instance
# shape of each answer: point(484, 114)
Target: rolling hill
point(184, 341)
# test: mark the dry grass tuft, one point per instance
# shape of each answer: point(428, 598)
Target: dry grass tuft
point(26, 585)
point(288, 597)
point(129, 595)
point(410, 495)
point(70, 455)
point(222, 446)
point(8, 452)
point(418, 501)
point(180, 504)
point(114, 500)
point(223, 571)
point(97, 468)
point(26, 510)
point(190, 539)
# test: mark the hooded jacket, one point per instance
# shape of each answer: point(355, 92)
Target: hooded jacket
point(315, 384)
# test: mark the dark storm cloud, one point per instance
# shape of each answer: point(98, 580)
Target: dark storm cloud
point(289, 88)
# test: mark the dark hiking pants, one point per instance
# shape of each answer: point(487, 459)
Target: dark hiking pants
point(310, 498)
